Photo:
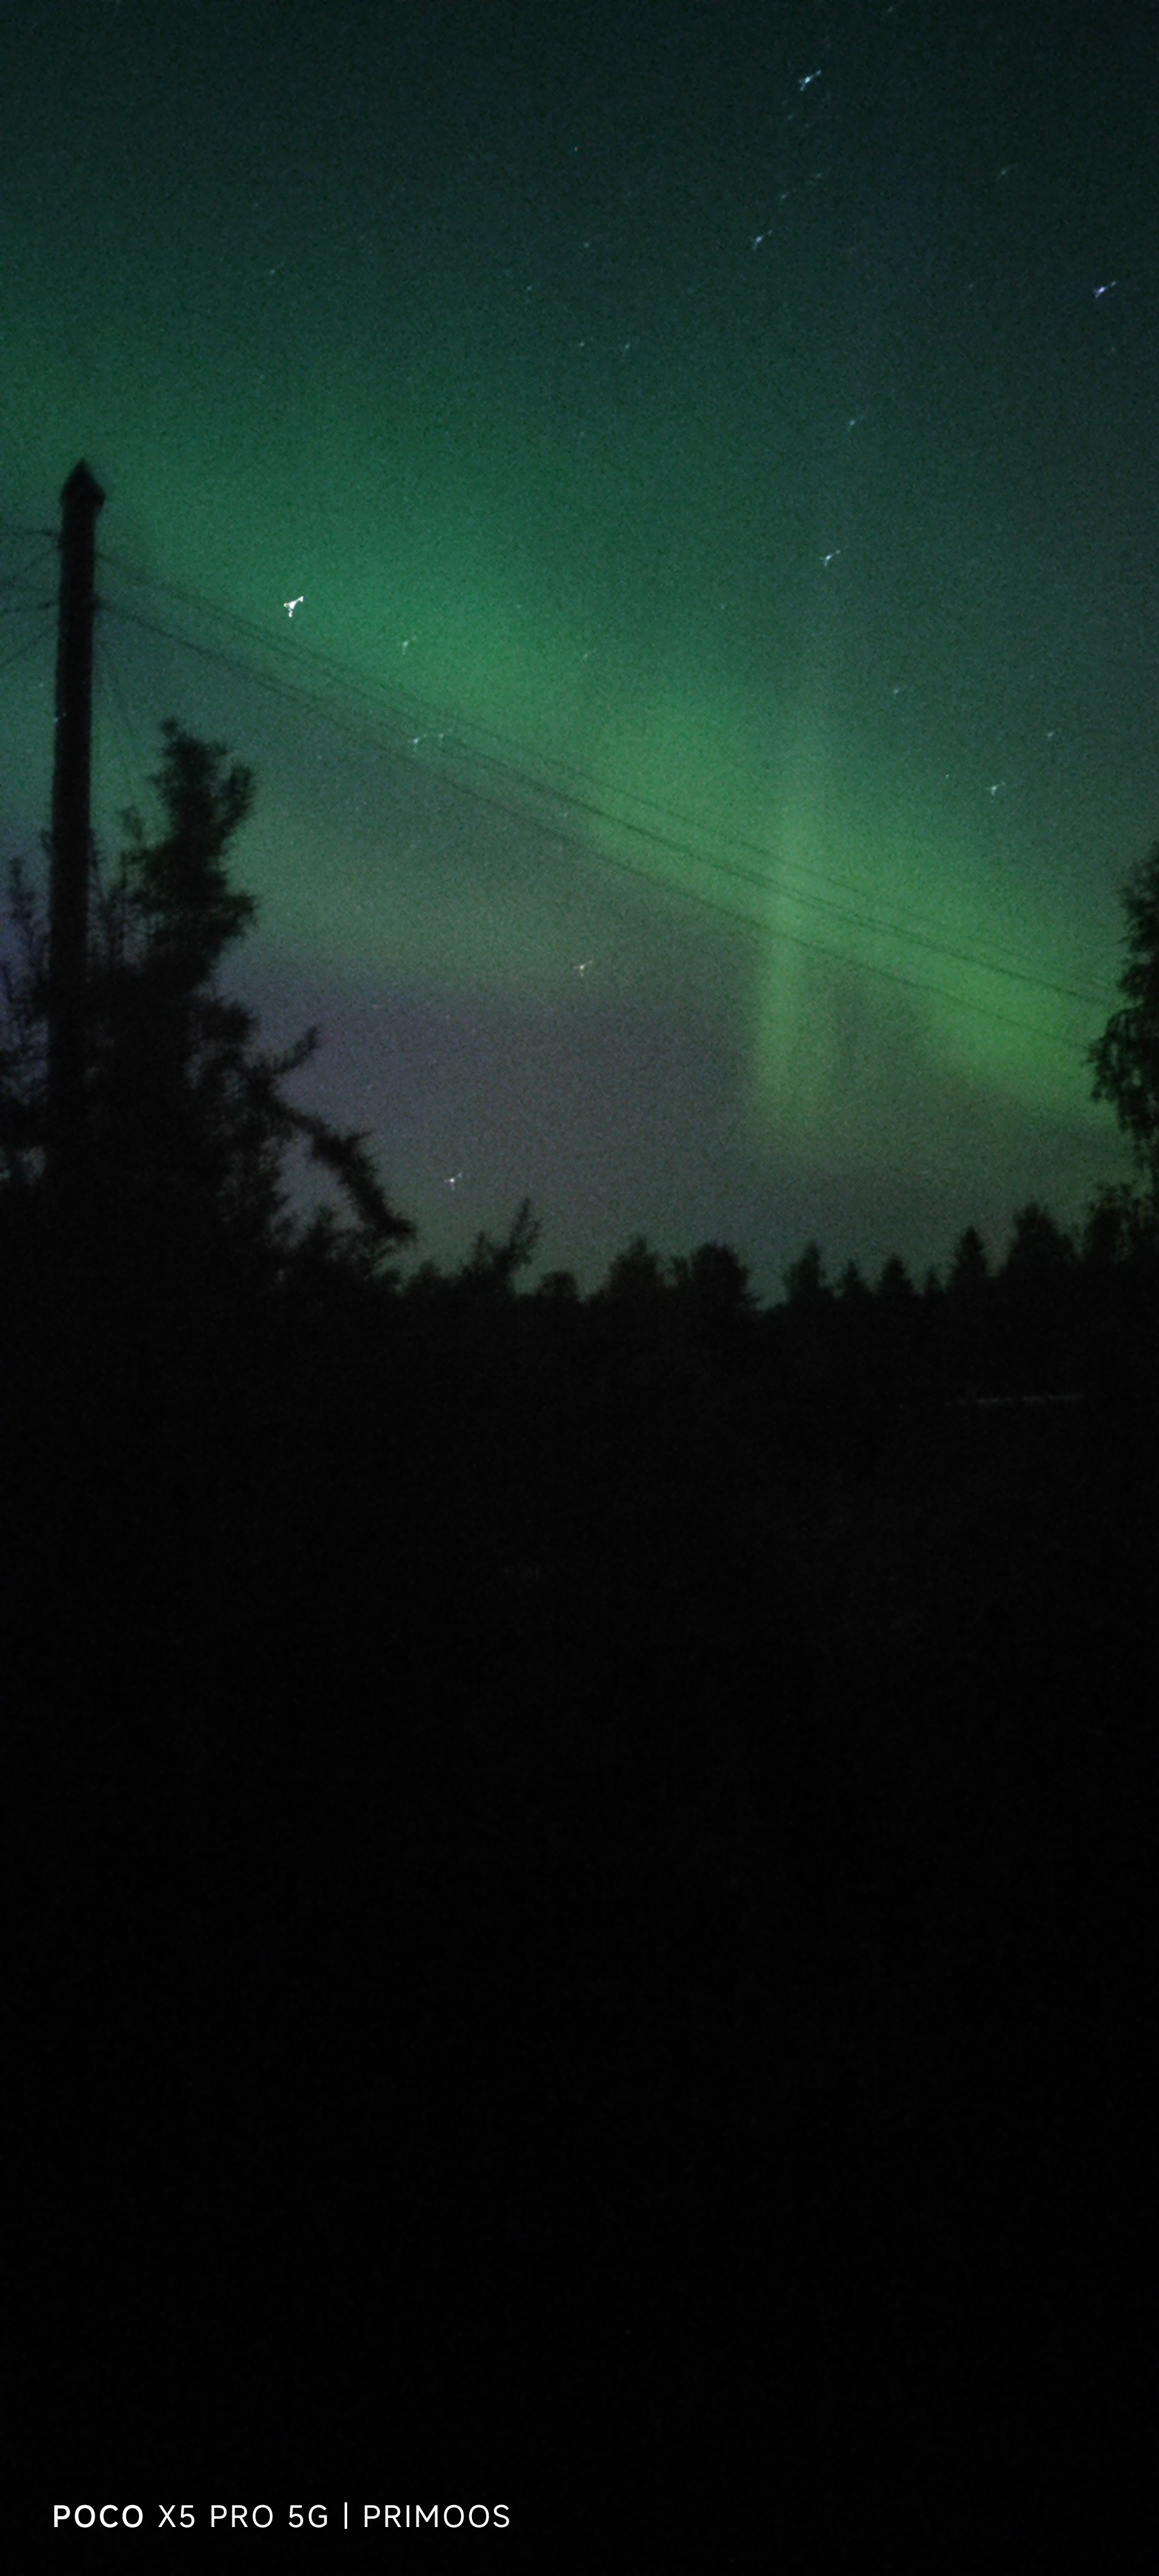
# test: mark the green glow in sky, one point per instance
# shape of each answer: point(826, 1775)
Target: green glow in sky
point(717, 445)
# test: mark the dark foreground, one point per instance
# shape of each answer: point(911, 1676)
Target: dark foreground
point(586, 1952)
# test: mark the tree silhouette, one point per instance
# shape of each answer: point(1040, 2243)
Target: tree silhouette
point(969, 1269)
point(1126, 1057)
point(1119, 1227)
point(559, 1288)
point(806, 1287)
point(964, 1325)
point(853, 1290)
point(23, 1040)
point(1037, 1302)
point(186, 1127)
point(712, 1281)
point(1040, 1251)
point(895, 1291)
point(636, 1275)
point(493, 1267)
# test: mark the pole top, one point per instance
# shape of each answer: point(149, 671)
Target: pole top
point(82, 489)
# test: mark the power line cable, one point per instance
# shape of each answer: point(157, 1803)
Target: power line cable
point(29, 565)
point(602, 857)
point(605, 858)
point(861, 921)
point(28, 646)
point(403, 706)
point(130, 755)
point(682, 850)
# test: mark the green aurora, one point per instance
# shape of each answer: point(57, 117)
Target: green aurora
point(715, 468)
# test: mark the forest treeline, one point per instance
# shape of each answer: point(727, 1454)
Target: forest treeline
point(625, 1809)
point(227, 1422)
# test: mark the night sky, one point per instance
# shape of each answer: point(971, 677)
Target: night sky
point(714, 451)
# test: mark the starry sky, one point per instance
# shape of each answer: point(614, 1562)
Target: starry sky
point(712, 449)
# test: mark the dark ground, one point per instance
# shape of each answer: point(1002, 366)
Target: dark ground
point(580, 1936)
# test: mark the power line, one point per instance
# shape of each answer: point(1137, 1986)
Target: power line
point(731, 913)
point(875, 928)
point(246, 671)
point(861, 921)
point(28, 646)
point(404, 706)
point(29, 565)
point(130, 754)
point(604, 858)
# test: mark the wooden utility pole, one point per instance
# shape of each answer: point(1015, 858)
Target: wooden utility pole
point(80, 501)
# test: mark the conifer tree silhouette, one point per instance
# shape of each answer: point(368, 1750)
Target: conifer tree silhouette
point(1125, 1058)
point(186, 1126)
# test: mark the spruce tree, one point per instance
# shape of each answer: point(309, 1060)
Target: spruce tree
point(1126, 1057)
point(186, 1126)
